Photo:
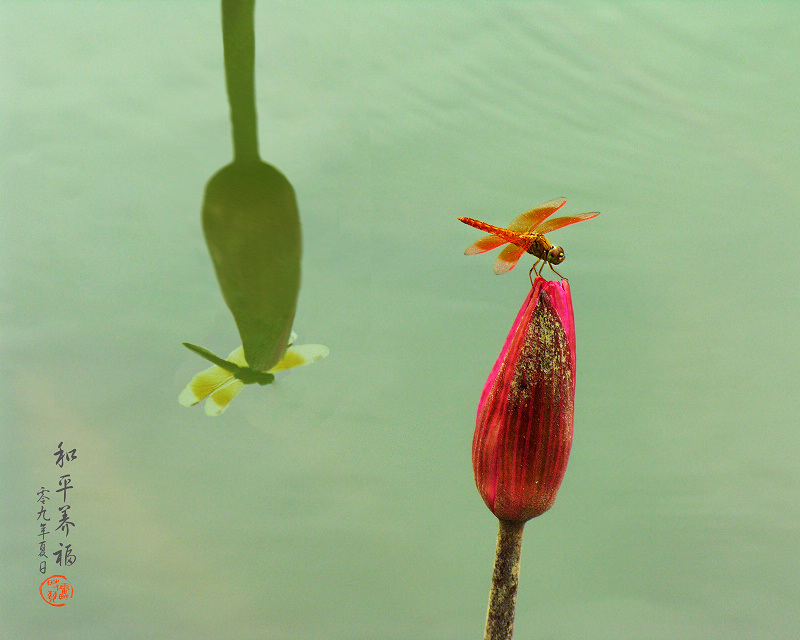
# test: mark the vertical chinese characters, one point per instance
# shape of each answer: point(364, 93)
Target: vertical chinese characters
point(64, 555)
point(42, 519)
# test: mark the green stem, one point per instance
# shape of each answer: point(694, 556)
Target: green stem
point(505, 577)
point(238, 39)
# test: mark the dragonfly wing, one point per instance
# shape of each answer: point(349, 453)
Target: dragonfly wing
point(204, 384)
point(557, 223)
point(237, 357)
point(300, 355)
point(508, 259)
point(219, 400)
point(528, 221)
point(487, 243)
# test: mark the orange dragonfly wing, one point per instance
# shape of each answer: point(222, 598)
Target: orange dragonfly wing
point(508, 259)
point(528, 221)
point(557, 223)
point(487, 243)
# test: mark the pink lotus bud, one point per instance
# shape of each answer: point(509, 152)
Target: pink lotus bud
point(524, 427)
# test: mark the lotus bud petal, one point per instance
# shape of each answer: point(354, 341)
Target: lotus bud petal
point(524, 426)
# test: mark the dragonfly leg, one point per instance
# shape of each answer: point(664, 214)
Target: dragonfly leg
point(554, 271)
point(532, 271)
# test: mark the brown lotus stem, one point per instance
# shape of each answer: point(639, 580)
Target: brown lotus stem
point(505, 577)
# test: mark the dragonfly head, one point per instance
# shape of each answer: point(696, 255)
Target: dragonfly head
point(265, 378)
point(555, 255)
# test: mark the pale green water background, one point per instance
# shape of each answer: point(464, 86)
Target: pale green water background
point(339, 503)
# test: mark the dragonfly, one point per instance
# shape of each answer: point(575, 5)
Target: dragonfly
point(526, 234)
point(221, 383)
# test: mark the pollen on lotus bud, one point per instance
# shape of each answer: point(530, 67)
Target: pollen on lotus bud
point(524, 426)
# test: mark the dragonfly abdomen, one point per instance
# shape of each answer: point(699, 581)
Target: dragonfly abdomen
point(509, 236)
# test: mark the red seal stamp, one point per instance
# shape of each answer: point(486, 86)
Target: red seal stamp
point(56, 590)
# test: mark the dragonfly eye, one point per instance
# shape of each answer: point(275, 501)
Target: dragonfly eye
point(555, 255)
